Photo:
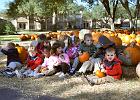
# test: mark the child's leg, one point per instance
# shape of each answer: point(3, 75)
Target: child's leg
point(65, 68)
point(75, 64)
point(14, 65)
point(103, 80)
point(86, 65)
point(37, 69)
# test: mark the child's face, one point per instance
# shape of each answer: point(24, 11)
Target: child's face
point(59, 50)
point(46, 53)
point(32, 54)
point(110, 56)
point(88, 41)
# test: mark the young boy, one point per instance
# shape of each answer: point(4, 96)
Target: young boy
point(85, 46)
point(112, 67)
point(13, 60)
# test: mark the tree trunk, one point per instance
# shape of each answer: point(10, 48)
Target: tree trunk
point(112, 26)
point(43, 25)
point(54, 21)
point(31, 22)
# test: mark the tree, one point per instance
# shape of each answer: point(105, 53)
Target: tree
point(135, 3)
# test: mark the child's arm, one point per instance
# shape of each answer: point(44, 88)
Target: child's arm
point(115, 70)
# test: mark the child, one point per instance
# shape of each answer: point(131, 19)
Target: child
point(40, 70)
point(33, 61)
point(13, 60)
point(85, 46)
point(42, 42)
point(98, 56)
point(112, 67)
point(58, 61)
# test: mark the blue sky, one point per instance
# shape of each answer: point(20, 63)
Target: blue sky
point(3, 4)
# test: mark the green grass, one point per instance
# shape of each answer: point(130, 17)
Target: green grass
point(9, 38)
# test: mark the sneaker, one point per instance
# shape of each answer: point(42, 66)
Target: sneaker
point(39, 75)
point(18, 74)
point(62, 75)
point(88, 81)
point(58, 73)
point(8, 74)
point(79, 73)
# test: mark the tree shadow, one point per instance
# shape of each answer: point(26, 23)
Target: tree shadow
point(106, 95)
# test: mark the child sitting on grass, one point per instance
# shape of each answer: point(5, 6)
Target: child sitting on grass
point(33, 61)
point(85, 46)
point(112, 70)
point(41, 69)
point(13, 60)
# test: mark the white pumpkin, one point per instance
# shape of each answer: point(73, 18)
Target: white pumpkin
point(82, 33)
point(138, 69)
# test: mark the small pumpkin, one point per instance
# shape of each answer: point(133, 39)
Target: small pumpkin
point(84, 57)
point(99, 74)
point(43, 69)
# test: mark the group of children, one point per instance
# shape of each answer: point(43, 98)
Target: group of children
point(62, 59)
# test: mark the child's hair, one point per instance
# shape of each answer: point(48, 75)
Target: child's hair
point(110, 49)
point(87, 35)
point(48, 48)
point(11, 45)
point(32, 49)
point(54, 47)
point(70, 41)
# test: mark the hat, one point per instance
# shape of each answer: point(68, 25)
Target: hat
point(104, 42)
point(31, 49)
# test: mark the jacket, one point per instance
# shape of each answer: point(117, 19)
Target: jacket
point(113, 68)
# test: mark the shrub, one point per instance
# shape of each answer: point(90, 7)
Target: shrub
point(6, 27)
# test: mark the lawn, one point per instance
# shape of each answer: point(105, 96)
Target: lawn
point(9, 38)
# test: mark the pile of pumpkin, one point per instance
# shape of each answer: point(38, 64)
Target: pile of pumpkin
point(25, 37)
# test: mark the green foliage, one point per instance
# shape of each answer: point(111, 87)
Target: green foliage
point(6, 27)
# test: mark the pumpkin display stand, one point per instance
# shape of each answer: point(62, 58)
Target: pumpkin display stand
point(129, 72)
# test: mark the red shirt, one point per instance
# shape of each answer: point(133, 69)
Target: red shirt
point(114, 69)
point(33, 62)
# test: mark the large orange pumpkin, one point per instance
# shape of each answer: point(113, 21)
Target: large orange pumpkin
point(100, 74)
point(22, 53)
point(84, 57)
point(134, 52)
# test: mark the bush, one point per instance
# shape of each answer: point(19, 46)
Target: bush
point(6, 27)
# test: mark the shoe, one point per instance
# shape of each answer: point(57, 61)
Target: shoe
point(18, 74)
point(79, 73)
point(62, 75)
point(39, 75)
point(89, 82)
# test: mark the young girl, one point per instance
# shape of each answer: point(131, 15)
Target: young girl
point(13, 60)
point(40, 70)
point(58, 61)
point(33, 61)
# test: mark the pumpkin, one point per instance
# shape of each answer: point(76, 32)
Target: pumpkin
point(133, 36)
point(133, 51)
point(32, 37)
point(138, 39)
point(99, 74)
point(84, 57)
point(127, 39)
point(22, 53)
point(43, 69)
point(116, 40)
point(138, 69)
point(95, 37)
point(23, 37)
